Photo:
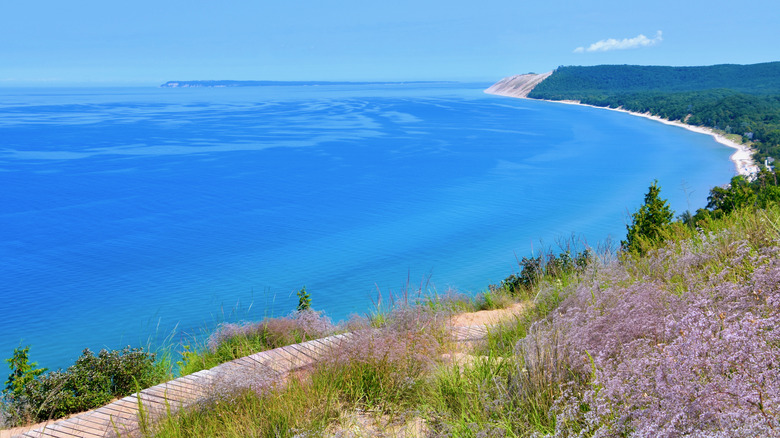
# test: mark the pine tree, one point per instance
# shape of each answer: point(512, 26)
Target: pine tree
point(649, 221)
point(304, 300)
point(22, 372)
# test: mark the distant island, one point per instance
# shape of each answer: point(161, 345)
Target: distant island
point(738, 101)
point(229, 83)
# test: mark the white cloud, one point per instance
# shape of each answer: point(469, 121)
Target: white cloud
point(626, 43)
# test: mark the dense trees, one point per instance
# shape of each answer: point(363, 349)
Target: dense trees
point(652, 223)
point(737, 99)
point(752, 79)
point(760, 192)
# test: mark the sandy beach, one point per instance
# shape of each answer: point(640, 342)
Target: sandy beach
point(519, 86)
point(742, 157)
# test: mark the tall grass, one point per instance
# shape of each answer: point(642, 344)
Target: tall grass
point(232, 341)
point(381, 370)
point(682, 340)
point(308, 406)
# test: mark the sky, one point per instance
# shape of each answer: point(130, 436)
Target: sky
point(144, 42)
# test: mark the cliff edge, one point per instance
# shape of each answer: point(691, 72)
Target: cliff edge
point(517, 85)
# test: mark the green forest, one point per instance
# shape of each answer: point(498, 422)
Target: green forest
point(735, 99)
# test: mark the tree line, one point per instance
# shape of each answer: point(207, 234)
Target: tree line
point(735, 99)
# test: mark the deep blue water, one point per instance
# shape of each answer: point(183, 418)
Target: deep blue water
point(130, 214)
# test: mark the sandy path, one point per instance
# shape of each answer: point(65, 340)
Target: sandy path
point(487, 317)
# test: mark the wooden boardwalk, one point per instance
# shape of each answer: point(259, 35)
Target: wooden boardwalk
point(128, 416)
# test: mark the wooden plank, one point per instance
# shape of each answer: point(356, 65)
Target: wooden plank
point(203, 375)
point(183, 391)
point(261, 357)
point(198, 386)
point(245, 362)
point(196, 380)
point(129, 403)
point(171, 385)
point(317, 348)
point(80, 422)
point(304, 353)
point(151, 399)
point(279, 360)
point(55, 431)
point(41, 433)
point(188, 390)
point(278, 354)
point(479, 332)
point(101, 425)
point(263, 360)
point(173, 397)
point(339, 341)
point(327, 344)
point(171, 393)
point(297, 359)
point(254, 367)
point(118, 415)
point(152, 404)
point(78, 430)
point(98, 419)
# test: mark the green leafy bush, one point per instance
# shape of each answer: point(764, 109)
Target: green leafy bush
point(549, 266)
point(91, 382)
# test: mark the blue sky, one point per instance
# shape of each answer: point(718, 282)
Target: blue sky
point(150, 42)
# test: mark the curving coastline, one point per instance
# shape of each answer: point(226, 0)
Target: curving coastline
point(742, 157)
point(520, 86)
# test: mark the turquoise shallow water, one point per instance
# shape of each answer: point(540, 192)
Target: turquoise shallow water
point(130, 214)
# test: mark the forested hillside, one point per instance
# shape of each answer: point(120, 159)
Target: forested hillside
point(737, 99)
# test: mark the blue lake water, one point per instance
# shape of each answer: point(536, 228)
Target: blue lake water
point(128, 214)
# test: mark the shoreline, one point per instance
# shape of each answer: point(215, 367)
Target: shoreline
point(742, 157)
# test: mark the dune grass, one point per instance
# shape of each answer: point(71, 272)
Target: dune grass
point(678, 339)
point(232, 341)
point(699, 307)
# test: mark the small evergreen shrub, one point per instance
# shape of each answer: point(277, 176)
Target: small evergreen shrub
point(649, 223)
point(549, 266)
point(304, 300)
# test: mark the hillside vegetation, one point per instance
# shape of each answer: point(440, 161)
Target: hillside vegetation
point(674, 334)
point(738, 99)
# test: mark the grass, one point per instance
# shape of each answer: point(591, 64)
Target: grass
point(381, 371)
point(531, 377)
point(393, 370)
point(233, 341)
point(579, 360)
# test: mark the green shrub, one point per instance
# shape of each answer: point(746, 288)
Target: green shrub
point(545, 266)
point(91, 382)
point(649, 223)
point(304, 300)
point(16, 392)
